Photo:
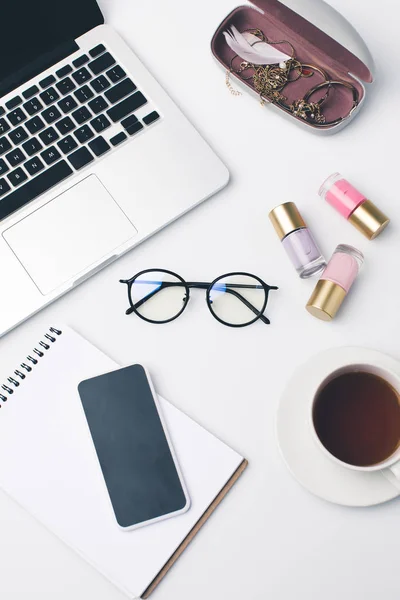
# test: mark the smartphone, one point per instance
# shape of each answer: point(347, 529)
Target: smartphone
point(135, 453)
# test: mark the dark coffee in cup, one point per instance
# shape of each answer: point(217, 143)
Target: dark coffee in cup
point(356, 417)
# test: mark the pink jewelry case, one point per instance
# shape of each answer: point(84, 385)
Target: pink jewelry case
point(320, 36)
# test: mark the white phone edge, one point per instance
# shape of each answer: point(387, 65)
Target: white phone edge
point(176, 463)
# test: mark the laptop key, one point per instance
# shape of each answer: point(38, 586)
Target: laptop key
point(34, 125)
point(80, 158)
point(30, 92)
point(102, 63)
point(84, 94)
point(4, 187)
point(47, 81)
point(127, 106)
point(4, 145)
point(49, 96)
point(81, 60)
point(34, 165)
point(83, 134)
point(98, 105)
point(129, 121)
point(18, 135)
point(3, 166)
point(151, 117)
point(48, 136)
point(97, 50)
point(67, 104)
point(119, 91)
point(64, 71)
point(13, 102)
point(32, 146)
point(17, 176)
point(81, 76)
point(50, 155)
point(116, 73)
point(33, 106)
point(65, 125)
point(51, 114)
point(67, 144)
point(4, 126)
point(2, 111)
point(16, 116)
point(81, 115)
point(15, 157)
point(99, 146)
point(65, 85)
point(100, 84)
point(100, 123)
point(135, 128)
point(35, 187)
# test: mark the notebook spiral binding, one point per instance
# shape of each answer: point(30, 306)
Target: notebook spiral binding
point(14, 381)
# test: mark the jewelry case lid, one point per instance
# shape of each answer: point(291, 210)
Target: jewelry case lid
point(327, 29)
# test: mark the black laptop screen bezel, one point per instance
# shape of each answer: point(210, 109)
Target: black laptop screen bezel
point(36, 35)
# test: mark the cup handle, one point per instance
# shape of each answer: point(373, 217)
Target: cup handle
point(392, 474)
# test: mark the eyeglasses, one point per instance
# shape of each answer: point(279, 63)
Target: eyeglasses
point(234, 299)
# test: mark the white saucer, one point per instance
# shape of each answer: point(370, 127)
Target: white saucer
point(306, 462)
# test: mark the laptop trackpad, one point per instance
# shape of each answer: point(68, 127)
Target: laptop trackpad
point(69, 234)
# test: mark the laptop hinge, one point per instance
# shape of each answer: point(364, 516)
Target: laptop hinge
point(37, 66)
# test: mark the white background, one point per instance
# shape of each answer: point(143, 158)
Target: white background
point(269, 538)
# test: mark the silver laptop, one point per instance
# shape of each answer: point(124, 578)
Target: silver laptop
point(94, 155)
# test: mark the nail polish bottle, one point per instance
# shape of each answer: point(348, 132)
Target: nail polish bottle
point(335, 282)
point(353, 206)
point(297, 240)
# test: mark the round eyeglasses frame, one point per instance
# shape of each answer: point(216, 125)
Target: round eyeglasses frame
point(203, 286)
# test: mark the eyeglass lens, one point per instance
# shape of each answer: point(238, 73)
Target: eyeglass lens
point(158, 296)
point(237, 299)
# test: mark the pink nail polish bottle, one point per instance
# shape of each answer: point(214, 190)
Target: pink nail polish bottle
point(353, 206)
point(335, 282)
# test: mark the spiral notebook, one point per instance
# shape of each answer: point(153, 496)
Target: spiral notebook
point(53, 472)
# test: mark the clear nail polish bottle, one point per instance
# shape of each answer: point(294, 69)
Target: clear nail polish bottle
point(335, 282)
point(297, 240)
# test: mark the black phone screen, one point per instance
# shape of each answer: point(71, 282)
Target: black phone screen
point(131, 445)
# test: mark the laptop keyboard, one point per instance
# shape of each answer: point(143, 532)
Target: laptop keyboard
point(58, 127)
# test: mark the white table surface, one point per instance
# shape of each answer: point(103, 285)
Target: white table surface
point(270, 538)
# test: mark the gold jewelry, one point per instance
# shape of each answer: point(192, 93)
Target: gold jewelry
point(307, 70)
point(309, 111)
point(330, 84)
point(270, 80)
point(267, 79)
point(230, 86)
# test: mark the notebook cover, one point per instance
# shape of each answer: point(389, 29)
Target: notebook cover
point(111, 552)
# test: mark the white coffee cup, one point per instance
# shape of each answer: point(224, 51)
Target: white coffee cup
point(391, 465)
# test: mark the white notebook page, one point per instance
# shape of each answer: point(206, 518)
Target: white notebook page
point(49, 466)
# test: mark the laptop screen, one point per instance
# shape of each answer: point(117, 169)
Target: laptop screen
point(33, 28)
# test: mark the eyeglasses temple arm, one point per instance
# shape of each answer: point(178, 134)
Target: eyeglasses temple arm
point(163, 285)
point(263, 318)
point(245, 286)
point(227, 288)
